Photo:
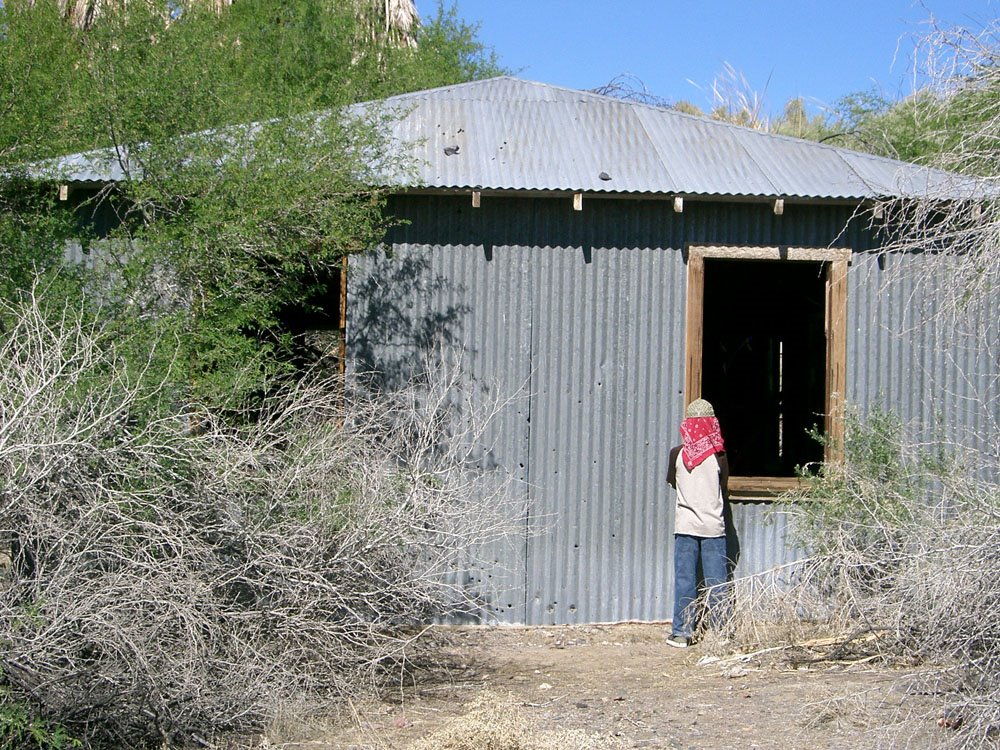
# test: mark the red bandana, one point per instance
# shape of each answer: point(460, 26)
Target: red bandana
point(702, 437)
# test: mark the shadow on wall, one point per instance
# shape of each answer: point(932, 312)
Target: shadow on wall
point(407, 332)
point(399, 317)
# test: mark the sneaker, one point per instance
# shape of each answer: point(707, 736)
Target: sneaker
point(678, 641)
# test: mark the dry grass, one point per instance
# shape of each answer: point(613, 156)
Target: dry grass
point(494, 721)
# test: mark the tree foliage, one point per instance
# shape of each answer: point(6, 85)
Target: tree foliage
point(137, 71)
point(950, 122)
point(245, 183)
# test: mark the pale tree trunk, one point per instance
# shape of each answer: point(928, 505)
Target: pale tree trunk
point(400, 21)
point(394, 21)
point(81, 13)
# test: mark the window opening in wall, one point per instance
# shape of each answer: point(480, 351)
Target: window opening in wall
point(764, 362)
point(766, 343)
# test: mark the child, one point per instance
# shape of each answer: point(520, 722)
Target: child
point(699, 471)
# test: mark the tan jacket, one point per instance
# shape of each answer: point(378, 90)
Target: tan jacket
point(701, 494)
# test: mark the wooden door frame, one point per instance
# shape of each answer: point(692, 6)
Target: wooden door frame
point(835, 321)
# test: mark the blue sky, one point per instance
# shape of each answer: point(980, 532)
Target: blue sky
point(817, 49)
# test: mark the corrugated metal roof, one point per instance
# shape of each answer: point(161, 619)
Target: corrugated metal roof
point(98, 166)
point(519, 135)
point(512, 134)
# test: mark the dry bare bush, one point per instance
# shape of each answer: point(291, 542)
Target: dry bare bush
point(905, 532)
point(771, 612)
point(955, 220)
point(630, 88)
point(906, 545)
point(936, 590)
point(175, 577)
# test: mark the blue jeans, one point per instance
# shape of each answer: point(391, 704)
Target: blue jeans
point(715, 569)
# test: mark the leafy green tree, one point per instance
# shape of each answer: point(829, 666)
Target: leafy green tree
point(911, 129)
point(39, 78)
point(447, 51)
point(246, 184)
point(798, 123)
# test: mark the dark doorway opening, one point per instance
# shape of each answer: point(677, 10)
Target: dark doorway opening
point(315, 324)
point(764, 361)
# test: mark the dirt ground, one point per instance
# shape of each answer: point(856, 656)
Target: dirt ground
point(621, 686)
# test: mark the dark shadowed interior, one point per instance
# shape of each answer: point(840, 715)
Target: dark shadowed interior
point(764, 361)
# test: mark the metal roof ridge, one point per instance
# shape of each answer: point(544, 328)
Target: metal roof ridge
point(850, 168)
point(670, 112)
point(659, 154)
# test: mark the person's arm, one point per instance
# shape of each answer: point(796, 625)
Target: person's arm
point(723, 474)
point(672, 466)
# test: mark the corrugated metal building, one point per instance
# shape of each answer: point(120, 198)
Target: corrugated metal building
point(604, 262)
point(607, 262)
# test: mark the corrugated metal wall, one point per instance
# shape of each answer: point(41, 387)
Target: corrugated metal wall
point(582, 314)
point(608, 367)
point(939, 372)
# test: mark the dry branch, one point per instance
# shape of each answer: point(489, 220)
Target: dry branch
point(169, 584)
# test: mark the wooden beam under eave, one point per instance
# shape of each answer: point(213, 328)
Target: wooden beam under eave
point(678, 204)
point(64, 192)
point(477, 198)
point(577, 201)
point(779, 206)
